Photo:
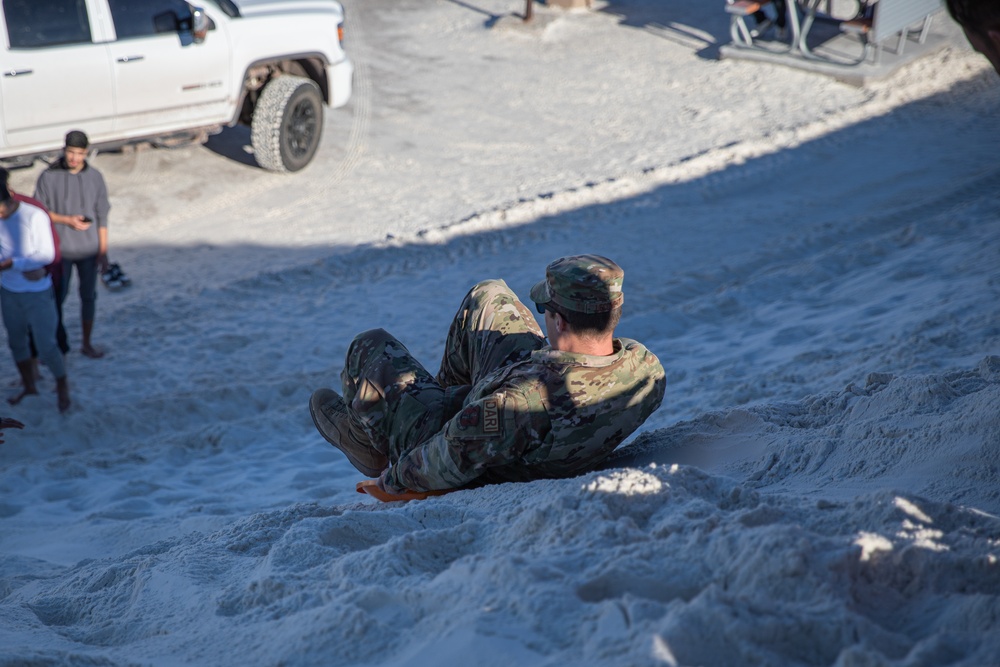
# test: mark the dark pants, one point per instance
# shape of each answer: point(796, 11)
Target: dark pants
point(86, 269)
point(26, 312)
point(55, 270)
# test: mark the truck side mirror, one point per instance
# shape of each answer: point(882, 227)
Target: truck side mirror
point(200, 24)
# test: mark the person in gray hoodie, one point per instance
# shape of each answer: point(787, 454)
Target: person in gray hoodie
point(77, 199)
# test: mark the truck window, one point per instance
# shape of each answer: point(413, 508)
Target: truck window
point(143, 18)
point(231, 10)
point(36, 23)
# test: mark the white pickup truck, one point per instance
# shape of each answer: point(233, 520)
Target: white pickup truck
point(170, 71)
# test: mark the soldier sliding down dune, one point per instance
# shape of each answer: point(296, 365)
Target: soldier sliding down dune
point(504, 406)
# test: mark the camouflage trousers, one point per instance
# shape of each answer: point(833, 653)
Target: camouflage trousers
point(397, 404)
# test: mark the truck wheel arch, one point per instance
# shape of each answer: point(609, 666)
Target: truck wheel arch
point(308, 65)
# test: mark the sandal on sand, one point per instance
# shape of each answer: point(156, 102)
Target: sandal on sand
point(114, 278)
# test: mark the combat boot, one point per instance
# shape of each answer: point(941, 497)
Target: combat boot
point(333, 421)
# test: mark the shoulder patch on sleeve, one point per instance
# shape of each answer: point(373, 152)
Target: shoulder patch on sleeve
point(492, 409)
point(482, 419)
point(470, 417)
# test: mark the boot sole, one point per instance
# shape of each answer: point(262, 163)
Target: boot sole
point(329, 431)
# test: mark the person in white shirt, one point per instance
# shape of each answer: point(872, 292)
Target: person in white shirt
point(26, 294)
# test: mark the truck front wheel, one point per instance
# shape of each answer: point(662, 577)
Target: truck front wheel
point(287, 123)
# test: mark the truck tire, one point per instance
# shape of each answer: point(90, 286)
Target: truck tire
point(287, 123)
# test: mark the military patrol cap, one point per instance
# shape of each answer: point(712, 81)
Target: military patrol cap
point(582, 284)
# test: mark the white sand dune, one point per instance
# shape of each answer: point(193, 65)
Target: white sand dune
point(817, 267)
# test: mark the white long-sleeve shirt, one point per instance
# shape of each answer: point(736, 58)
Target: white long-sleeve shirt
point(26, 238)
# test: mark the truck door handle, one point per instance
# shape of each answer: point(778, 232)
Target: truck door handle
point(18, 72)
point(130, 59)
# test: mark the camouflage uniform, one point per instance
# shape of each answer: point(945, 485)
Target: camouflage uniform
point(504, 406)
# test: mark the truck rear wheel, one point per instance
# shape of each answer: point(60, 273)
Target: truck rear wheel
point(287, 123)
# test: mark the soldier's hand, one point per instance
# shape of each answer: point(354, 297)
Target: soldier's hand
point(383, 483)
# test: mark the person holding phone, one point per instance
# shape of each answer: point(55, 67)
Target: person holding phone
point(26, 299)
point(54, 269)
point(77, 199)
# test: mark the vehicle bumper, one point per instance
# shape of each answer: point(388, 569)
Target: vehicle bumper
point(340, 78)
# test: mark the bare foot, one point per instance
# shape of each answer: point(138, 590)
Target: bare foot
point(62, 392)
point(14, 400)
point(92, 352)
point(34, 375)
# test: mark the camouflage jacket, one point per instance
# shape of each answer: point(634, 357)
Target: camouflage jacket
point(556, 414)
